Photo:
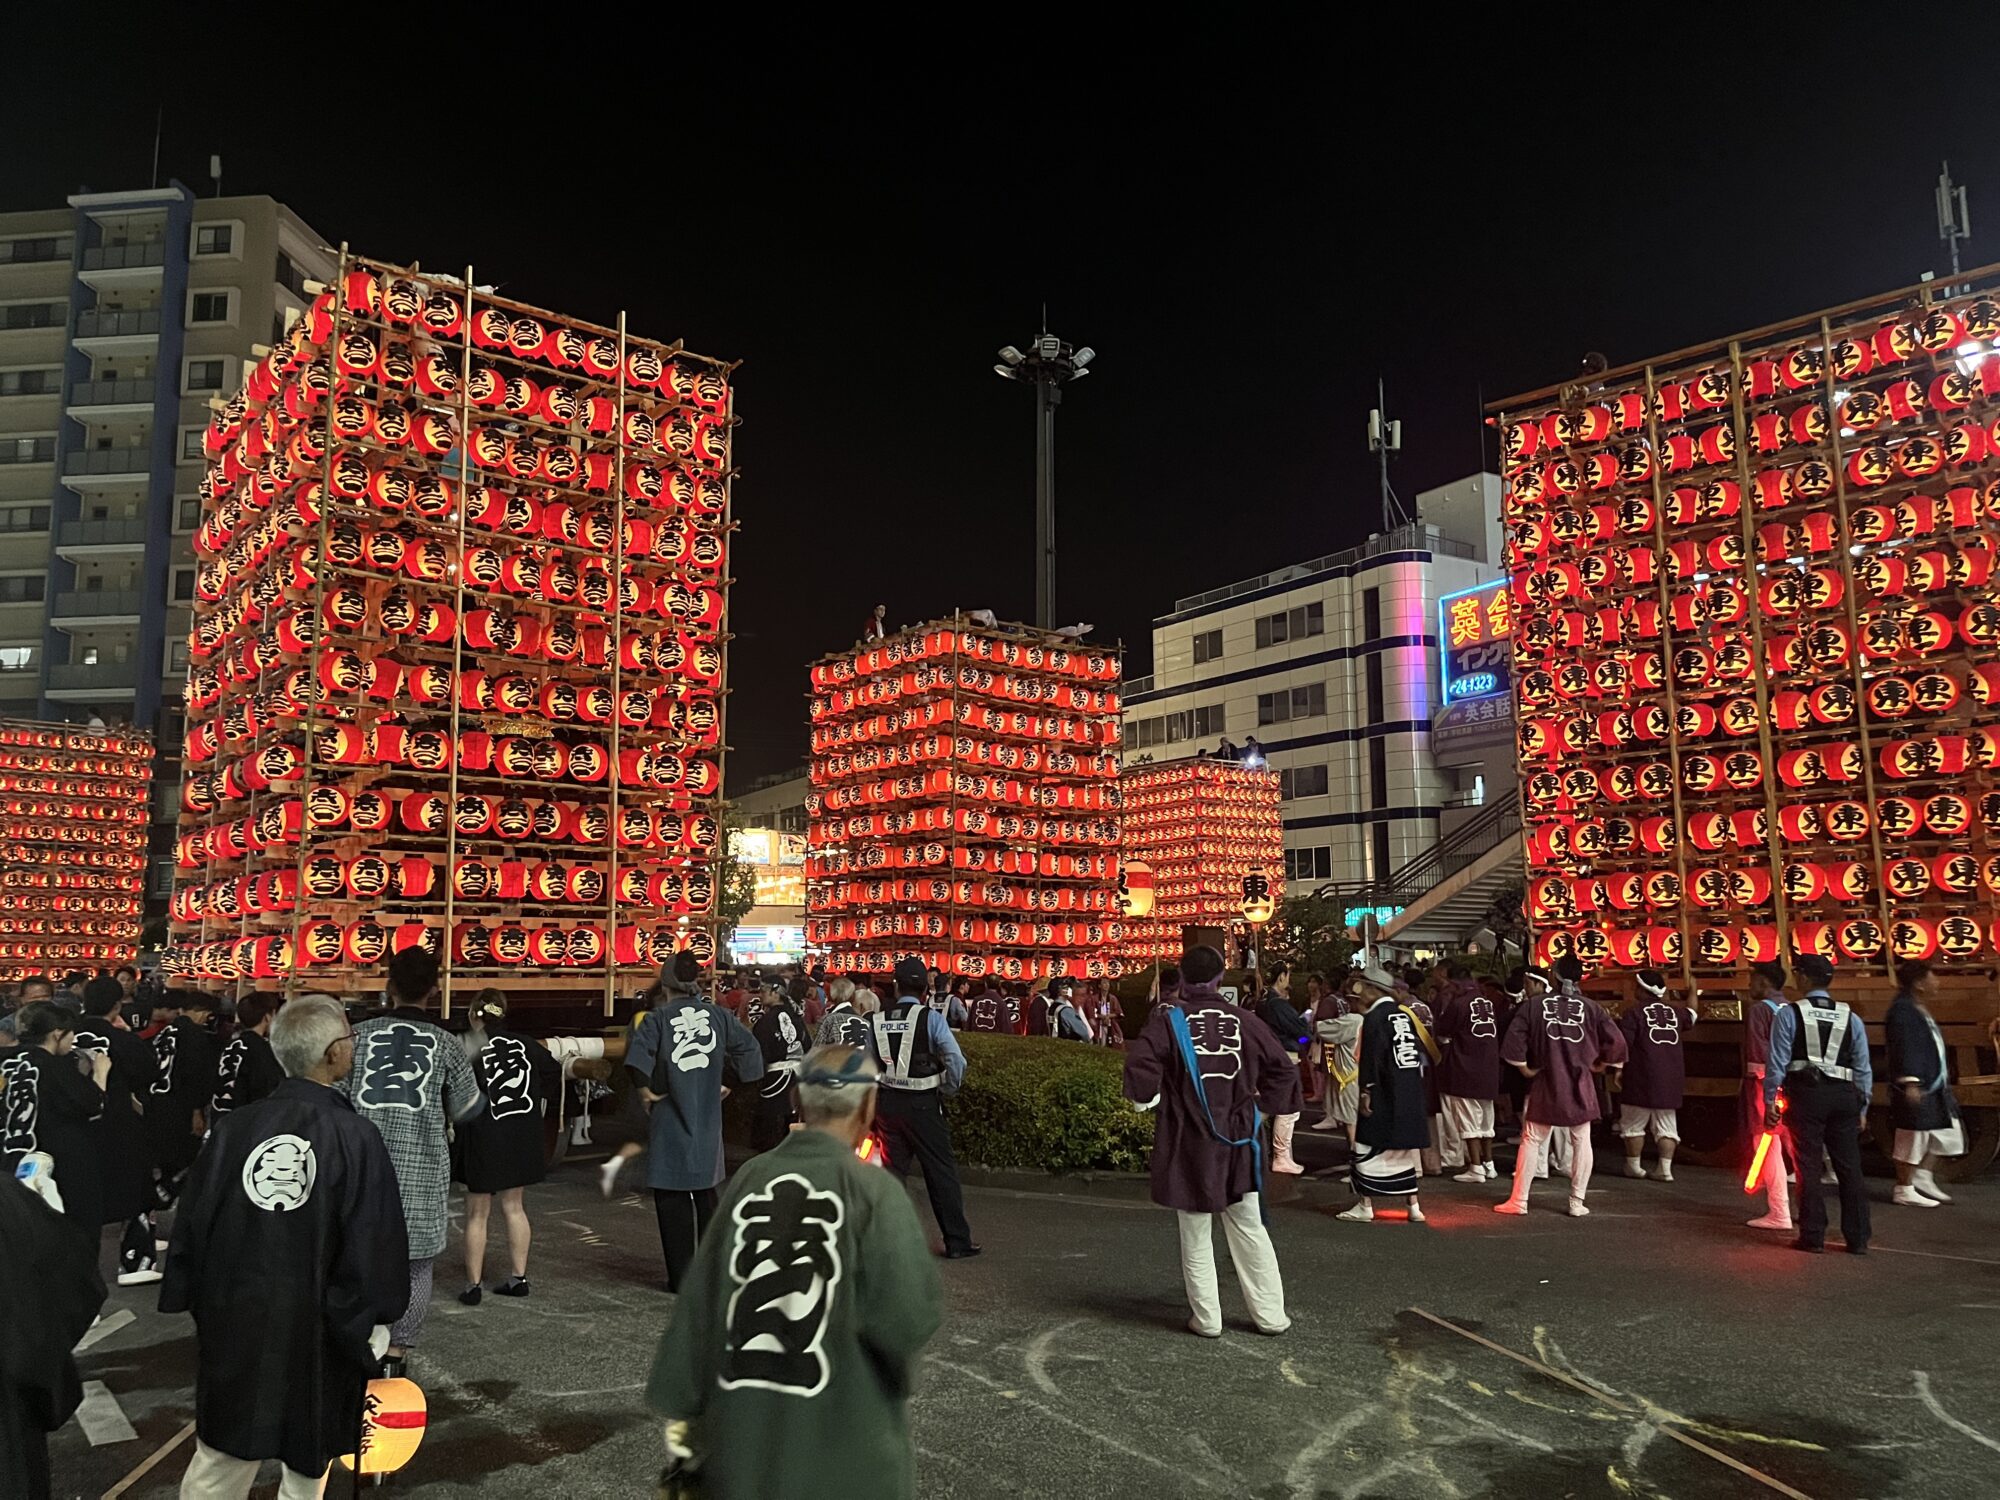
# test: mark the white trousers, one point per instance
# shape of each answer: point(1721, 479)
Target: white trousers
point(1255, 1260)
point(1535, 1140)
point(1282, 1128)
point(1553, 1146)
point(215, 1475)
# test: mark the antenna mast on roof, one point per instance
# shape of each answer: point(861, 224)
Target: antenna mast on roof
point(1386, 437)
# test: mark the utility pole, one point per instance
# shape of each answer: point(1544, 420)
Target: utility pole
point(1954, 214)
point(1386, 437)
point(1048, 364)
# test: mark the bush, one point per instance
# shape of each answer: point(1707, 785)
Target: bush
point(1038, 1104)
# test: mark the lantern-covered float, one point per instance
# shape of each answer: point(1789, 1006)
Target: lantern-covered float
point(1756, 636)
point(73, 813)
point(457, 658)
point(1202, 827)
point(965, 804)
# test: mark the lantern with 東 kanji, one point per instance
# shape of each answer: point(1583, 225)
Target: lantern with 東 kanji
point(1779, 554)
point(965, 804)
point(1203, 827)
point(457, 651)
point(73, 839)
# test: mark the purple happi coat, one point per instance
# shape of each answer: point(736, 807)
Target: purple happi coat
point(1468, 1029)
point(1243, 1067)
point(1655, 1074)
point(1566, 1038)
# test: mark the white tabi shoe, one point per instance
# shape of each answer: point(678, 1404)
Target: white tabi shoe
point(1361, 1213)
point(1634, 1168)
point(1771, 1221)
point(1510, 1207)
point(1926, 1183)
point(1577, 1210)
point(1470, 1174)
point(1909, 1197)
point(1663, 1173)
point(1287, 1166)
point(1324, 1122)
point(1417, 1213)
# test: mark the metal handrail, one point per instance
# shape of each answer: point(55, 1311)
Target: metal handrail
point(100, 323)
point(133, 460)
point(95, 603)
point(1466, 845)
point(1414, 534)
point(125, 257)
point(96, 674)
point(123, 531)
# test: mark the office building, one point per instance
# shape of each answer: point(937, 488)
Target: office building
point(1333, 667)
point(122, 316)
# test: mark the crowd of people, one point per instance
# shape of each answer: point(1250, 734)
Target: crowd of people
point(307, 1155)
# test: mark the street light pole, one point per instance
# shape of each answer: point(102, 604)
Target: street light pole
point(1048, 364)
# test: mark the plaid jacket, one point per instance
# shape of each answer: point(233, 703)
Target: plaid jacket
point(410, 1077)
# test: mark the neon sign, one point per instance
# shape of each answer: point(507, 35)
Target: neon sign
point(1474, 645)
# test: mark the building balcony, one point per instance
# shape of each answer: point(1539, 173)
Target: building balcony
point(101, 394)
point(111, 329)
point(92, 679)
point(107, 468)
point(127, 532)
point(96, 607)
point(123, 265)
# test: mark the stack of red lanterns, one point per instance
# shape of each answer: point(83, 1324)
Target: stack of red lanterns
point(1201, 826)
point(457, 657)
point(965, 805)
point(73, 809)
point(1757, 648)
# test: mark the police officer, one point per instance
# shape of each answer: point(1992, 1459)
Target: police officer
point(1820, 1048)
point(921, 1062)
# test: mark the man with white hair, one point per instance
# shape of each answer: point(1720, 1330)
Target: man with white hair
point(786, 1366)
point(290, 1251)
point(846, 1020)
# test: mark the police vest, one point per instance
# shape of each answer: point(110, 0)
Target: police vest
point(902, 1037)
point(1824, 1044)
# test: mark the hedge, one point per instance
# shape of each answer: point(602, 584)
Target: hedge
point(1038, 1104)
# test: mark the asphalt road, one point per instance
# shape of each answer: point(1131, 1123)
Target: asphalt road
point(1063, 1368)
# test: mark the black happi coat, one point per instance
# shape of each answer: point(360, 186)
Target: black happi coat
point(47, 1104)
point(1914, 1053)
point(247, 1071)
point(1392, 1071)
point(187, 1056)
point(124, 1152)
point(503, 1139)
point(288, 1248)
point(58, 1293)
point(782, 1038)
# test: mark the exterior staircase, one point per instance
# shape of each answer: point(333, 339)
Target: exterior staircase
point(1444, 892)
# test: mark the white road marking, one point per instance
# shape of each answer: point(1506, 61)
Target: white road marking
point(101, 1417)
point(603, 1390)
point(1037, 1356)
point(1299, 1476)
point(104, 1328)
point(1936, 1409)
point(1970, 1260)
point(1104, 1438)
point(1477, 1420)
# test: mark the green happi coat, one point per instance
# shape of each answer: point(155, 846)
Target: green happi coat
point(794, 1343)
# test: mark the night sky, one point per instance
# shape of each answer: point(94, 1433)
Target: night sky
point(1247, 228)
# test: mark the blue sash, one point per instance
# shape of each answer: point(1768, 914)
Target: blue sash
point(1177, 1022)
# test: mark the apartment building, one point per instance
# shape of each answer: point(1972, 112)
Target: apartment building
point(1332, 666)
point(122, 316)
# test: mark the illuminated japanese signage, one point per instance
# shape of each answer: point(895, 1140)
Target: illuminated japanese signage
point(1474, 627)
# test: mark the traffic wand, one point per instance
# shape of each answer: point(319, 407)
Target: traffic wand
point(1756, 1172)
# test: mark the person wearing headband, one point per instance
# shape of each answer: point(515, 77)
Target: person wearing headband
point(501, 1143)
point(1654, 1078)
point(787, 1362)
point(1561, 1040)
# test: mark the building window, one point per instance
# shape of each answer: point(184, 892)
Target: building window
point(177, 654)
point(1378, 771)
point(214, 239)
point(1378, 839)
point(183, 585)
point(1315, 863)
point(24, 518)
point(187, 512)
point(34, 315)
point(208, 307)
point(1371, 614)
point(19, 656)
point(191, 441)
point(1207, 646)
point(1307, 702)
point(287, 274)
point(203, 375)
point(30, 382)
point(1372, 673)
point(22, 588)
point(1291, 625)
point(27, 450)
point(1301, 781)
point(41, 248)
point(1146, 732)
point(1196, 723)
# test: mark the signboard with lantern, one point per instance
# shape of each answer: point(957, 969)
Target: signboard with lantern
point(1210, 837)
point(456, 664)
point(965, 804)
point(73, 811)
